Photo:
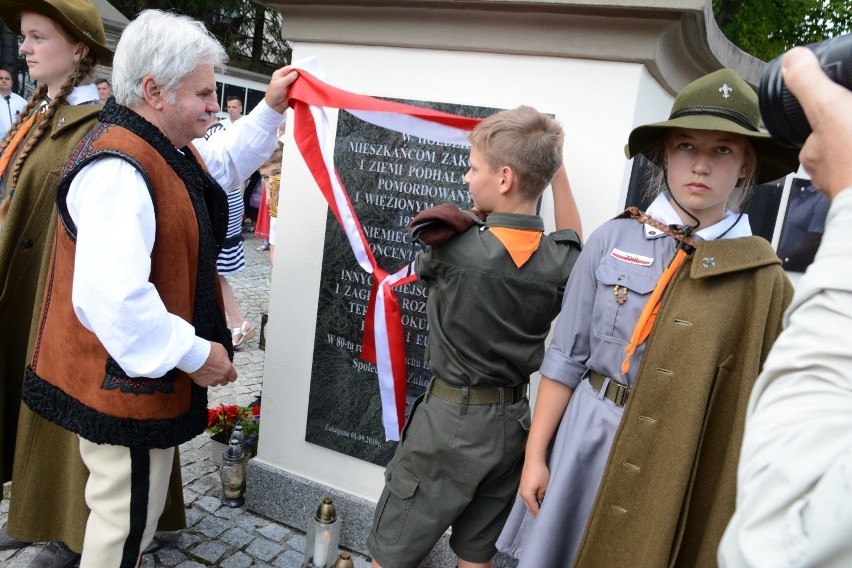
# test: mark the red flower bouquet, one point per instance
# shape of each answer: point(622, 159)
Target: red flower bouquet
point(221, 420)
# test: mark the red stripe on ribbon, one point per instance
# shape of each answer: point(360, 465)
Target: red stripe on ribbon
point(368, 347)
point(311, 90)
point(396, 343)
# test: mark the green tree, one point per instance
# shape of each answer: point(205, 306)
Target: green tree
point(768, 28)
point(250, 32)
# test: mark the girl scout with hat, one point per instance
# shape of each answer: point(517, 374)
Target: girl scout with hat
point(667, 318)
point(62, 41)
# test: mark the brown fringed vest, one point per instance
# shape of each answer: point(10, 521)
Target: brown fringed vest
point(72, 380)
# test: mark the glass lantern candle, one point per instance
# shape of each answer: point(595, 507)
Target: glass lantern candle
point(344, 561)
point(323, 536)
point(233, 473)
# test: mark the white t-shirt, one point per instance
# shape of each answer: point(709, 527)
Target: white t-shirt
point(10, 106)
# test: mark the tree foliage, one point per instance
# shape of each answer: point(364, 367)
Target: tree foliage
point(251, 33)
point(768, 28)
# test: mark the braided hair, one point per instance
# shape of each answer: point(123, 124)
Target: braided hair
point(84, 69)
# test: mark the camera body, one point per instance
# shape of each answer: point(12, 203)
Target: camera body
point(781, 112)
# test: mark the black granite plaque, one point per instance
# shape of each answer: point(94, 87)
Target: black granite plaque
point(389, 177)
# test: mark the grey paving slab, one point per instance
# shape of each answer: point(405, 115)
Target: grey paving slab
point(290, 559)
point(297, 543)
point(209, 503)
point(210, 551)
point(229, 512)
point(212, 526)
point(193, 515)
point(274, 532)
point(264, 549)
point(236, 537)
point(190, 564)
point(169, 557)
point(238, 560)
point(250, 521)
point(202, 486)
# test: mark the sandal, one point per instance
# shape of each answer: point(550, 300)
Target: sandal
point(242, 334)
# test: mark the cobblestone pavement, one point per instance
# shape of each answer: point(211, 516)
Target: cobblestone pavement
point(217, 535)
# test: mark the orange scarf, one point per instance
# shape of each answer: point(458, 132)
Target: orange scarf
point(649, 312)
point(15, 142)
point(519, 243)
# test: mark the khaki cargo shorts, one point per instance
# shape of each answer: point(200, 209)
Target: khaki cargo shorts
point(456, 466)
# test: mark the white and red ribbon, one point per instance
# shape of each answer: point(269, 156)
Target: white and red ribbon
point(383, 341)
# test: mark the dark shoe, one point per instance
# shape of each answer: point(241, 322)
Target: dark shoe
point(9, 543)
point(55, 555)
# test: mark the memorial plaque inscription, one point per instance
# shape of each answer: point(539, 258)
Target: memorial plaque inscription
point(389, 177)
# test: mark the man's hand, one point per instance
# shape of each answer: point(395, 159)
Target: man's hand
point(827, 153)
point(217, 370)
point(278, 91)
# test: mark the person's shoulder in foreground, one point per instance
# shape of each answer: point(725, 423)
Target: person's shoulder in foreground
point(793, 479)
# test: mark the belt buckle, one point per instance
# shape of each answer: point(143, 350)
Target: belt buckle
point(621, 392)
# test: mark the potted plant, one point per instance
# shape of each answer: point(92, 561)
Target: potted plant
point(221, 420)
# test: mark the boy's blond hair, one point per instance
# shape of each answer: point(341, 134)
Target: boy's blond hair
point(275, 158)
point(525, 140)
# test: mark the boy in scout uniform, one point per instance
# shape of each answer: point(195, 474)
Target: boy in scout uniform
point(495, 285)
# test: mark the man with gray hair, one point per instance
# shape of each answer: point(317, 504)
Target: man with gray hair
point(132, 330)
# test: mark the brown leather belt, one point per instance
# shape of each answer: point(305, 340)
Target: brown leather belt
point(617, 393)
point(477, 395)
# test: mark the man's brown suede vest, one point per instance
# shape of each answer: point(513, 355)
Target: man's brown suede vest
point(72, 380)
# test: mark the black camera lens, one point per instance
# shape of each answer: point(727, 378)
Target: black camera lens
point(781, 112)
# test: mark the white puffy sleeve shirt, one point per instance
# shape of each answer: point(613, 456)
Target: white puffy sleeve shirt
point(111, 294)
point(794, 482)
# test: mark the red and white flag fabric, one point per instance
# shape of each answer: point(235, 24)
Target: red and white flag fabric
point(310, 98)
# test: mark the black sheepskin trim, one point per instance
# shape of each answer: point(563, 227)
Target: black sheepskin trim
point(69, 413)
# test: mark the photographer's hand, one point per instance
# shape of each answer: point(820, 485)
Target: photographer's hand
point(827, 153)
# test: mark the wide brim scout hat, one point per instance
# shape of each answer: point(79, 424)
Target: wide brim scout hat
point(80, 17)
point(720, 101)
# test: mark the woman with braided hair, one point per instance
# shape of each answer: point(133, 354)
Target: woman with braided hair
point(63, 40)
point(665, 323)
point(31, 160)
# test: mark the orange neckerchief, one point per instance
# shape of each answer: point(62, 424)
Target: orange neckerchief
point(519, 243)
point(15, 142)
point(649, 312)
